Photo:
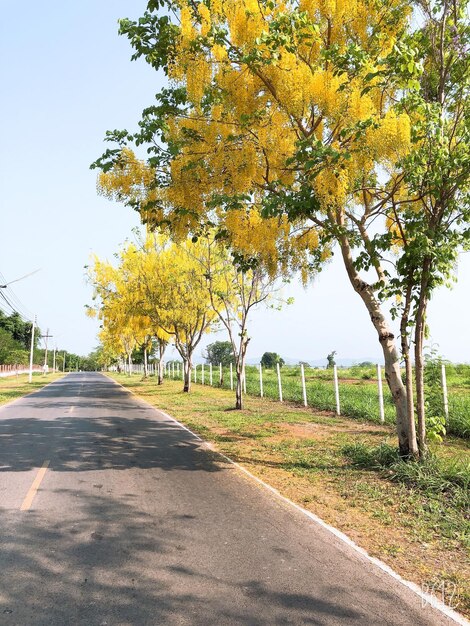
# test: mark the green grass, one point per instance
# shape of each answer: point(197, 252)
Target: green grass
point(13, 387)
point(444, 484)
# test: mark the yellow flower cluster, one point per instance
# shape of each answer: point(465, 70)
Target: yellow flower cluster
point(129, 178)
point(198, 77)
point(359, 107)
point(205, 19)
point(255, 236)
point(323, 90)
point(246, 21)
point(390, 140)
point(331, 186)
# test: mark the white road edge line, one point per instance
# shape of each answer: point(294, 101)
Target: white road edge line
point(425, 597)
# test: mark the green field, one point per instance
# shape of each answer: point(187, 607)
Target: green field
point(358, 391)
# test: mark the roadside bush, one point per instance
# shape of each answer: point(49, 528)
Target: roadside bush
point(433, 476)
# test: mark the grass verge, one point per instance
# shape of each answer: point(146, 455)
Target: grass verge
point(413, 517)
point(13, 387)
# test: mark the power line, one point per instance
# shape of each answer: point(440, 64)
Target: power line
point(17, 279)
point(14, 306)
point(13, 302)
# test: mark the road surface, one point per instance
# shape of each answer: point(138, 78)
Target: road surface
point(111, 514)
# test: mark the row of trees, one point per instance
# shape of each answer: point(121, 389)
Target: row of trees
point(162, 291)
point(15, 347)
point(221, 353)
point(15, 339)
point(294, 130)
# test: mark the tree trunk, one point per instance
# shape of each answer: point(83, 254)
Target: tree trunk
point(420, 324)
point(239, 390)
point(419, 377)
point(390, 352)
point(187, 375)
point(405, 351)
point(130, 363)
point(161, 364)
point(145, 363)
point(240, 370)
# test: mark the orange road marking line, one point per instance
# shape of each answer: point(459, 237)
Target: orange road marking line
point(27, 502)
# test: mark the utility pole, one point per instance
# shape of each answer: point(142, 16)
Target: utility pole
point(46, 337)
point(30, 379)
point(53, 366)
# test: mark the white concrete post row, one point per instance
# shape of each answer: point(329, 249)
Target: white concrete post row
point(173, 370)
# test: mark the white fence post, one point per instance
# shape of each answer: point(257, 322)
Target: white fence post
point(444, 392)
point(195, 372)
point(304, 390)
point(335, 376)
point(261, 392)
point(279, 382)
point(381, 394)
point(173, 367)
point(231, 376)
point(221, 375)
point(210, 374)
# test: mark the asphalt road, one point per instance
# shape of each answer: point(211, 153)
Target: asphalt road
point(136, 523)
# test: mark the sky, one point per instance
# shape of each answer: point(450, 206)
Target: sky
point(66, 77)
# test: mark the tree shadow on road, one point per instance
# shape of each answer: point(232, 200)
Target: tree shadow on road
point(111, 563)
point(82, 444)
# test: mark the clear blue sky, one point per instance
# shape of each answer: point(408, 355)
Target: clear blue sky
point(66, 77)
